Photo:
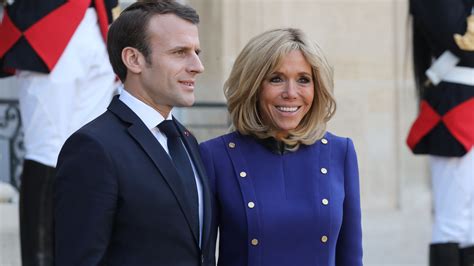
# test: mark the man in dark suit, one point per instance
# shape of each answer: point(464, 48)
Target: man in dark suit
point(131, 189)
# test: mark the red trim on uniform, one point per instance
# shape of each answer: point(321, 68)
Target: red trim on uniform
point(9, 71)
point(51, 34)
point(103, 19)
point(9, 32)
point(426, 121)
point(460, 122)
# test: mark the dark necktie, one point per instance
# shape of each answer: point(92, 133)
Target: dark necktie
point(183, 166)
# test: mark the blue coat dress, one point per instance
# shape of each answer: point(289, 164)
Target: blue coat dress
point(294, 208)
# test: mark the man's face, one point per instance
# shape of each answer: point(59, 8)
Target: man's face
point(170, 78)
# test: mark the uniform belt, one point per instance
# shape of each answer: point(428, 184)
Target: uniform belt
point(444, 69)
point(461, 75)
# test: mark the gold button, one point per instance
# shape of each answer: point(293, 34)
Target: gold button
point(324, 170)
point(231, 145)
point(325, 201)
point(324, 239)
point(324, 141)
point(243, 174)
point(254, 242)
point(251, 205)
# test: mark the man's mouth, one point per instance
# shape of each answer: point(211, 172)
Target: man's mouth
point(187, 83)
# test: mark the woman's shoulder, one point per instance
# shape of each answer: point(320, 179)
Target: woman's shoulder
point(220, 140)
point(338, 142)
point(337, 148)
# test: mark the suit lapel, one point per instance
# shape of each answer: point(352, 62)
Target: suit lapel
point(142, 135)
point(193, 150)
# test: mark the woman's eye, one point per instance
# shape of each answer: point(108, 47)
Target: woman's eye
point(304, 80)
point(275, 79)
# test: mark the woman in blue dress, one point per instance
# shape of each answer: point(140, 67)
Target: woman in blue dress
point(287, 191)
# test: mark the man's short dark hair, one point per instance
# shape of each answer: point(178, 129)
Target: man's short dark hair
point(130, 29)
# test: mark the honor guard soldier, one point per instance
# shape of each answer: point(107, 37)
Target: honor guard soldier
point(443, 49)
point(56, 49)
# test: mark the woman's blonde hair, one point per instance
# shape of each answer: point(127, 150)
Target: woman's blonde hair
point(259, 58)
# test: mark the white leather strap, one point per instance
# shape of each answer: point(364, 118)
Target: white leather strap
point(461, 75)
point(442, 66)
point(444, 69)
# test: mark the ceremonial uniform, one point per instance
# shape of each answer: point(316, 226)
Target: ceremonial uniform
point(56, 49)
point(444, 129)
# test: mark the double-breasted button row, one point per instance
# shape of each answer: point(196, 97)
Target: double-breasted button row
point(324, 170)
point(324, 201)
point(254, 242)
point(243, 173)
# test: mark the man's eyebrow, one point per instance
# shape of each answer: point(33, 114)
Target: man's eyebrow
point(184, 48)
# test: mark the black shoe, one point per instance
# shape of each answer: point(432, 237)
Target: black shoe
point(445, 254)
point(467, 256)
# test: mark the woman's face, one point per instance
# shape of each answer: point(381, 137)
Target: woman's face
point(287, 93)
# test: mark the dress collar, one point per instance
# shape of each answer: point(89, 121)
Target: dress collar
point(274, 145)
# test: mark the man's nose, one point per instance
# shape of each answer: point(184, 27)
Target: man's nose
point(196, 65)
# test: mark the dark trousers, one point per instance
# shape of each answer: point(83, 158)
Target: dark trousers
point(36, 214)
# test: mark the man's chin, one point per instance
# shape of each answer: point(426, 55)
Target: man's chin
point(186, 103)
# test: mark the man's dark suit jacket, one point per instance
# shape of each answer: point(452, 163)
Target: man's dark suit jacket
point(119, 200)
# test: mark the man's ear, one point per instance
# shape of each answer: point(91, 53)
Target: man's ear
point(133, 60)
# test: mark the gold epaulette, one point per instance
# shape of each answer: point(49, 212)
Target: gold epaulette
point(466, 41)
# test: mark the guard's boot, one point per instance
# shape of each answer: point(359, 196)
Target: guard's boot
point(467, 256)
point(445, 254)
